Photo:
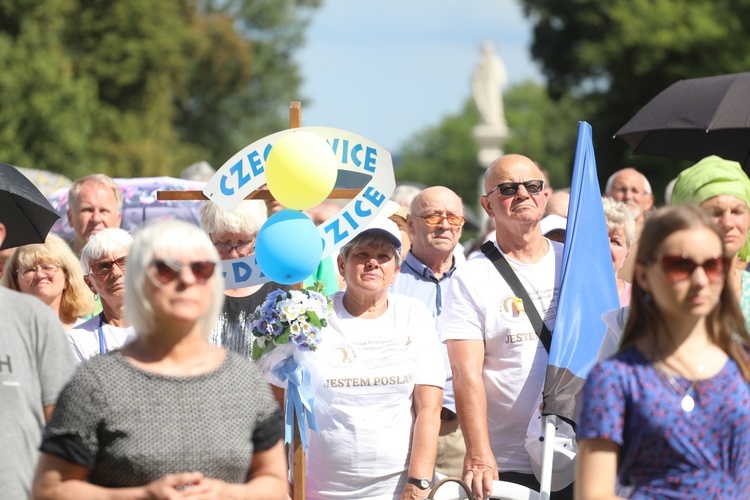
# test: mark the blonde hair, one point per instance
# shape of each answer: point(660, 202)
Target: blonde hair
point(167, 239)
point(104, 180)
point(77, 300)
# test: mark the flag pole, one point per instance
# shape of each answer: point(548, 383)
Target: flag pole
point(548, 454)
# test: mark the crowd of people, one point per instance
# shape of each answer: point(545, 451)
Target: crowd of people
point(126, 365)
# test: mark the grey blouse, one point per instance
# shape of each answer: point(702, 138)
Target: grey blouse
point(130, 427)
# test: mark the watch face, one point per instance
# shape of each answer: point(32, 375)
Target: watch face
point(422, 484)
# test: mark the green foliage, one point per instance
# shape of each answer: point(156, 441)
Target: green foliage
point(444, 155)
point(541, 129)
point(616, 56)
point(46, 111)
point(142, 88)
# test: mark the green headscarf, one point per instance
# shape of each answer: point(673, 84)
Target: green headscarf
point(713, 176)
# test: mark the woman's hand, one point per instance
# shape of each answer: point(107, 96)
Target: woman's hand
point(166, 488)
point(207, 489)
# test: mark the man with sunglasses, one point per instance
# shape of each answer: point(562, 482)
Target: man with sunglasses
point(498, 361)
point(35, 364)
point(435, 222)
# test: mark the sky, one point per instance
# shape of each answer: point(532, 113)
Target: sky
point(387, 69)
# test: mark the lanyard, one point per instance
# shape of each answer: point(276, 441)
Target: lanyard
point(100, 330)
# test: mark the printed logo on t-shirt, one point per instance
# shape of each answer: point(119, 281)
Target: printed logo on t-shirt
point(6, 372)
point(508, 311)
point(515, 338)
point(370, 362)
point(341, 356)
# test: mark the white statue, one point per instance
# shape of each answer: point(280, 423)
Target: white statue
point(489, 76)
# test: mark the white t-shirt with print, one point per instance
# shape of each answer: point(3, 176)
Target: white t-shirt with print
point(369, 368)
point(84, 337)
point(479, 306)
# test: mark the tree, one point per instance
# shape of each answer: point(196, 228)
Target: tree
point(46, 111)
point(136, 52)
point(544, 130)
point(143, 88)
point(243, 76)
point(541, 129)
point(617, 55)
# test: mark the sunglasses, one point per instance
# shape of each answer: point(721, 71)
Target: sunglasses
point(511, 188)
point(166, 271)
point(437, 219)
point(681, 267)
point(104, 268)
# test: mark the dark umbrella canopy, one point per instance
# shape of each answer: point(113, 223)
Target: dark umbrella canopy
point(25, 212)
point(695, 118)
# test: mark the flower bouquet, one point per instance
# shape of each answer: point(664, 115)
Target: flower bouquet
point(287, 325)
point(291, 318)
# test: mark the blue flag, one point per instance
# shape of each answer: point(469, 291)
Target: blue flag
point(588, 287)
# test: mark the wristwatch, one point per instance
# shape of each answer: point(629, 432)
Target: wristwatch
point(422, 484)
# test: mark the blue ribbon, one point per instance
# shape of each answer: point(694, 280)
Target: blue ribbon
point(299, 399)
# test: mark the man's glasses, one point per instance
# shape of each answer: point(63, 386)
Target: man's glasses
point(511, 188)
point(243, 248)
point(48, 269)
point(623, 190)
point(166, 271)
point(437, 219)
point(106, 267)
point(681, 267)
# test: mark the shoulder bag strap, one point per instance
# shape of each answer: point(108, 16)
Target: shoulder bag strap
point(490, 250)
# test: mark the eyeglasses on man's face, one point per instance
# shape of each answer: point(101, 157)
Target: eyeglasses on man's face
point(511, 188)
point(106, 267)
point(48, 269)
point(437, 219)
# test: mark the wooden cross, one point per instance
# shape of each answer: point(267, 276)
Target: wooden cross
point(295, 121)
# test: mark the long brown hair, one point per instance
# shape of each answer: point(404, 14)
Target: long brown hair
point(725, 323)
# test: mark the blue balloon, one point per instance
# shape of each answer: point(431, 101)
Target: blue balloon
point(288, 247)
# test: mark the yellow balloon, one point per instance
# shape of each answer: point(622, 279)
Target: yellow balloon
point(301, 170)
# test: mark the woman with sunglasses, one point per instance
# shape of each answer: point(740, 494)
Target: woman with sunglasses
point(168, 415)
point(51, 272)
point(103, 260)
point(669, 414)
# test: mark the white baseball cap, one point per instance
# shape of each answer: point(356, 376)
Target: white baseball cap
point(551, 222)
point(386, 226)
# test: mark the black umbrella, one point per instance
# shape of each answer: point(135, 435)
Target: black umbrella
point(25, 212)
point(695, 118)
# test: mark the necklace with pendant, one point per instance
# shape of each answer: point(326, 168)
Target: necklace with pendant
point(687, 403)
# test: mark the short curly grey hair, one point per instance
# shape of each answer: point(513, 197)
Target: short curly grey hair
point(245, 218)
point(618, 215)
